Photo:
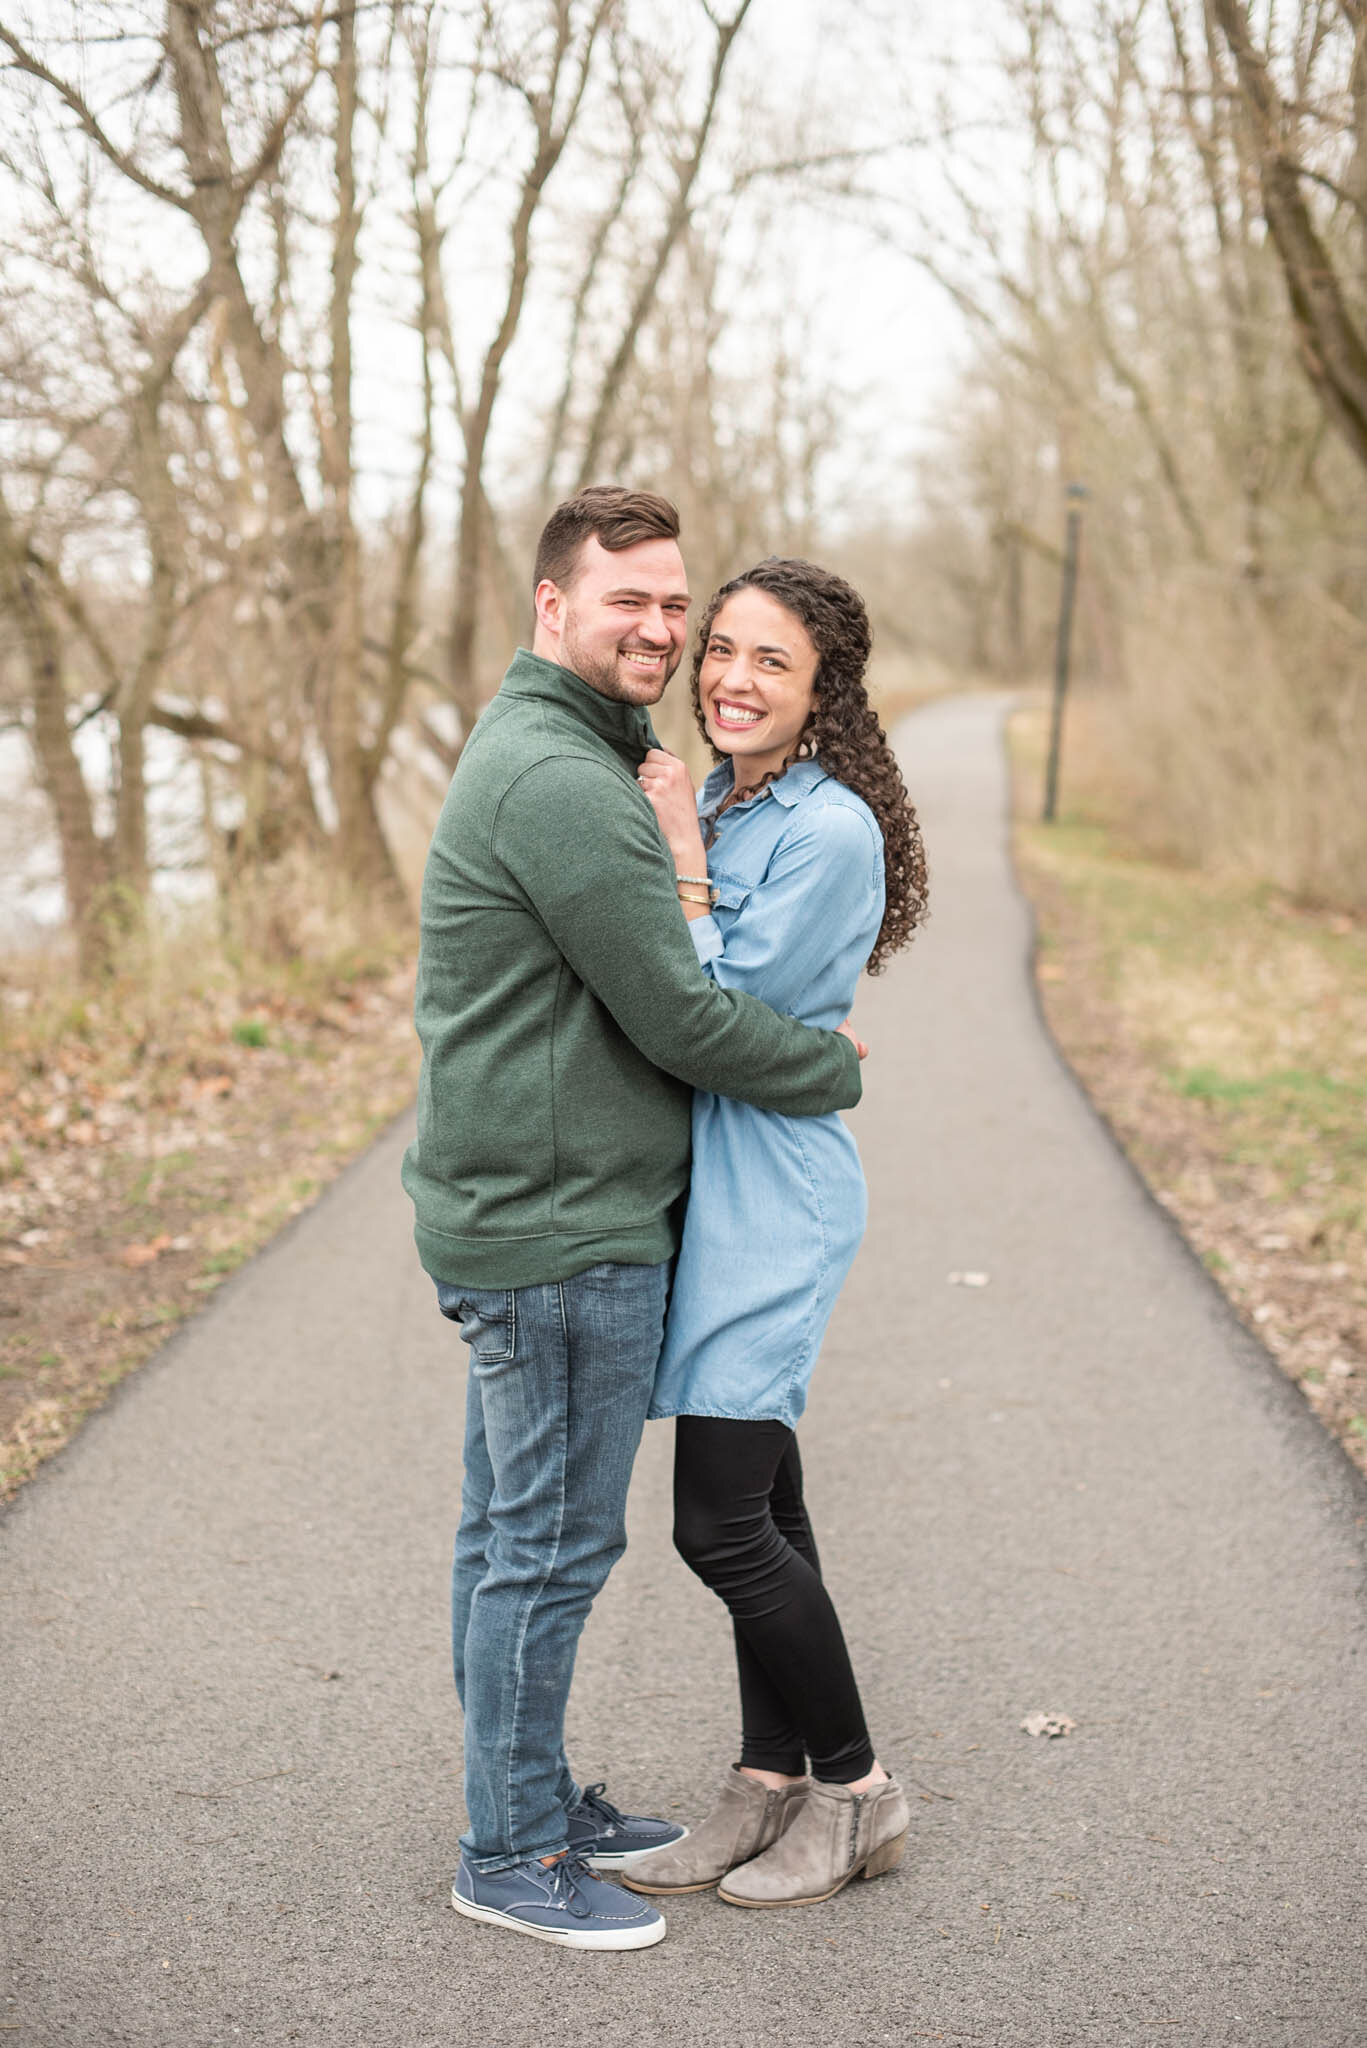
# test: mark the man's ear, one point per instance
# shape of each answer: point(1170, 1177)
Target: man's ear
point(549, 600)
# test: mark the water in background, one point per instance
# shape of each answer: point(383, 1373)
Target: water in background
point(32, 900)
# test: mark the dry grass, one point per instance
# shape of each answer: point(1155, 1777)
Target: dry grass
point(1240, 745)
point(1222, 1029)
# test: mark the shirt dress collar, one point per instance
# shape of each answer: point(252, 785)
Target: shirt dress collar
point(790, 788)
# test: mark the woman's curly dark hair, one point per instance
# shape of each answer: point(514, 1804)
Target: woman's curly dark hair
point(843, 729)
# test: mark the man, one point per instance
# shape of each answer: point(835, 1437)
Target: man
point(564, 1021)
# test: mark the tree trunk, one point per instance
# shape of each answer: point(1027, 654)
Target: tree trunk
point(133, 701)
point(84, 868)
point(363, 851)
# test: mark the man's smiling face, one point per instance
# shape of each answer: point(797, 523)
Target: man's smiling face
point(621, 624)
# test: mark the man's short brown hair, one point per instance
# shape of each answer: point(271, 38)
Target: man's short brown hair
point(615, 517)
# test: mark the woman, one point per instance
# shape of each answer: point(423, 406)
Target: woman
point(811, 867)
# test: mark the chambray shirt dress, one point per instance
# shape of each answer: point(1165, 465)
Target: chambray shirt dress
point(777, 1203)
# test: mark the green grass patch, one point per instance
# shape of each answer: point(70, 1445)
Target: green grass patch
point(228, 1260)
point(150, 1182)
point(1207, 1084)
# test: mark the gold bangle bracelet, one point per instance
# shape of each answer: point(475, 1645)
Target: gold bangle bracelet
point(692, 896)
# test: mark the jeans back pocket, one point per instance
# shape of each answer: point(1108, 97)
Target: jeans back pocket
point(487, 1318)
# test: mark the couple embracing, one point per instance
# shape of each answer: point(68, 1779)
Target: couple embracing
point(615, 976)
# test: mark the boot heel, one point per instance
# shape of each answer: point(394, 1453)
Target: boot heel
point(887, 1857)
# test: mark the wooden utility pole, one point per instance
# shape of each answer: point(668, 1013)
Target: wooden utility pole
point(1075, 495)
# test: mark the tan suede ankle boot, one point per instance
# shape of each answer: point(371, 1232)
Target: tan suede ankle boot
point(746, 1820)
point(837, 1835)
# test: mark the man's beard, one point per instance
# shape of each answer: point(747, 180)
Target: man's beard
point(601, 672)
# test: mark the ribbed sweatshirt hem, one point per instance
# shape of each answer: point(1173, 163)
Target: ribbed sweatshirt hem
point(475, 1261)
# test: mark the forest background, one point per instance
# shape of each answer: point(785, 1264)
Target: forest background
point(309, 313)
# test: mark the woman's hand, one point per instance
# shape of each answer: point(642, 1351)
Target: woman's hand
point(665, 780)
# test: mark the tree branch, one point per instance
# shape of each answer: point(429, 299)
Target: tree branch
point(25, 61)
point(1332, 351)
point(675, 223)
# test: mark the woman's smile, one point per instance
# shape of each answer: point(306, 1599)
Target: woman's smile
point(727, 713)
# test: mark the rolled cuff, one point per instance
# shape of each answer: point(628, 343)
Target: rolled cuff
point(705, 933)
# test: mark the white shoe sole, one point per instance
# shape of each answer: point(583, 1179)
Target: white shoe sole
point(598, 1938)
point(624, 1858)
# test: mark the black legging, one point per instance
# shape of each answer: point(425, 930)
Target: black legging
point(740, 1523)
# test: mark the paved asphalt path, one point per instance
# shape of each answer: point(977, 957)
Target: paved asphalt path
point(229, 1769)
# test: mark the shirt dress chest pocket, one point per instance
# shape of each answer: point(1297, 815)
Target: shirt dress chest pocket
point(731, 897)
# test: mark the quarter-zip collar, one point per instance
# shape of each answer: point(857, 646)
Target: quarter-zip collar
point(626, 725)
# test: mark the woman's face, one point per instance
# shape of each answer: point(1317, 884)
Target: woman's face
point(757, 683)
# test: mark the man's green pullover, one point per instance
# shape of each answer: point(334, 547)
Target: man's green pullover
point(563, 1015)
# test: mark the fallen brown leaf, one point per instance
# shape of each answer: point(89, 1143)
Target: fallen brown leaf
point(144, 1254)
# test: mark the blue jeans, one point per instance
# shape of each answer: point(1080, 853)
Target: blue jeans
point(560, 1378)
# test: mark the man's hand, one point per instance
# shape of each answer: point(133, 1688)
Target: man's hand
point(858, 1043)
point(665, 780)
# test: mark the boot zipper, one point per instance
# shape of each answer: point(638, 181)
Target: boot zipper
point(856, 1810)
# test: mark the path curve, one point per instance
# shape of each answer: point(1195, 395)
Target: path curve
point(229, 1770)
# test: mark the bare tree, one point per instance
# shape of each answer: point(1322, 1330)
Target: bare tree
point(1331, 339)
point(1139, 331)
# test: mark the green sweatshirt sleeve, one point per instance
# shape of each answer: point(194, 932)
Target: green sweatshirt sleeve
point(585, 851)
